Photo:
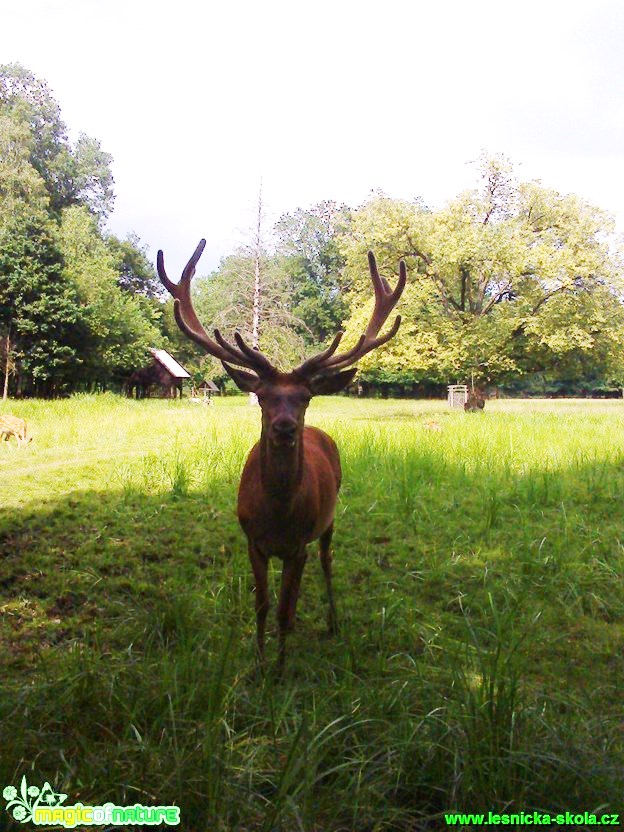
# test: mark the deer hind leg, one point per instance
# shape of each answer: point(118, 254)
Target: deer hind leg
point(259, 565)
point(326, 563)
point(289, 594)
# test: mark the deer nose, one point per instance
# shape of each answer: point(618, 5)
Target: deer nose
point(285, 428)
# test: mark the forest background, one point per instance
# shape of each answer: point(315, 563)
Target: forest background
point(511, 284)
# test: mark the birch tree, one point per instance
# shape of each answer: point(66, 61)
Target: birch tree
point(251, 292)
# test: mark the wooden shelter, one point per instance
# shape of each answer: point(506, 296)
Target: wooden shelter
point(202, 393)
point(207, 388)
point(164, 373)
point(457, 395)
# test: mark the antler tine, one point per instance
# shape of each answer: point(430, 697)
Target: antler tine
point(189, 270)
point(232, 353)
point(352, 354)
point(162, 274)
point(184, 312)
point(339, 362)
point(386, 299)
point(246, 356)
point(183, 287)
point(311, 363)
point(253, 353)
point(190, 324)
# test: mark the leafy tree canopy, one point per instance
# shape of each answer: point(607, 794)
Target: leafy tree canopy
point(224, 300)
point(136, 274)
point(313, 263)
point(72, 175)
point(121, 329)
point(76, 307)
point(508, 278)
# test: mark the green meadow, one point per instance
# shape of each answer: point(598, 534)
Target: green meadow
point(479, 583)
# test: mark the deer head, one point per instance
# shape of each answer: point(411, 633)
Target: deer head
point(284, 397)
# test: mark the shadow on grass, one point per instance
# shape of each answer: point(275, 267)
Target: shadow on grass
point(477, 666)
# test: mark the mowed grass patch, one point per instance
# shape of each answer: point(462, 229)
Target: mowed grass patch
point(478, 577)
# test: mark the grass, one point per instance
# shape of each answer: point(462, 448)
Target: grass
point(478, 577)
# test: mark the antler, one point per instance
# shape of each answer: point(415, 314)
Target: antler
point(385, 301)
point(186, 317)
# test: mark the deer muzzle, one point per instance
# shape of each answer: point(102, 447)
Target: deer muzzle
point(284, 432)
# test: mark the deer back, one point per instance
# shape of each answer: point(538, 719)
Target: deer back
point(13, 426)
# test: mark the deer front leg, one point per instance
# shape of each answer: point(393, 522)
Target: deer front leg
point(259, 566)
point(289, 594)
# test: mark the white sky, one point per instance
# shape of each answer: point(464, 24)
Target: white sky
point(325, 100)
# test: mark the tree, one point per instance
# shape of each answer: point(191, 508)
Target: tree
point(308, 246)
point(22, 189)
point(225, 298)
point(92, 177)
point(121, 328)
point(136, 275)
point(39, 312)
point(29, 101)
point(251, 292)
point(503, 280)
point(79, 175)
point(74, 308)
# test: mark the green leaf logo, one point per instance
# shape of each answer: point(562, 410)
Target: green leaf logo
point(22, 803)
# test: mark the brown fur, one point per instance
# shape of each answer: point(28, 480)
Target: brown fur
point(475, 401)
point(285, 517)
point(13, 426)
point(286, 500)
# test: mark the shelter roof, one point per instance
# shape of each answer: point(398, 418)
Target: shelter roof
point(169, 363)
point(207, 384)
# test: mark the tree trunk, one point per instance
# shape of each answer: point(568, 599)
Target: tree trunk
point(7, 366)
point(255, 335)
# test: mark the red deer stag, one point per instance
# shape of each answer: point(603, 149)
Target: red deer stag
point(288, 489)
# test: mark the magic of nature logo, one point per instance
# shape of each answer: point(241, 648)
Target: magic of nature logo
point(44, 807)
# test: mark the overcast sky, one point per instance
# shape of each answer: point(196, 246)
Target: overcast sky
point(325, 100)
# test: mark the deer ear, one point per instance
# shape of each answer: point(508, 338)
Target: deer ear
point(325, 385)
point(247, 382)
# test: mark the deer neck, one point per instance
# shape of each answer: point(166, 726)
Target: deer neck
point(281, 469)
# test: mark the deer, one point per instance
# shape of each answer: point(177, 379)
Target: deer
point(474, 402)
point(290, 482)
point(14, 426)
